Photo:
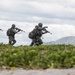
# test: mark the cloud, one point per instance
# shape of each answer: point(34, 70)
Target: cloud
point(57, 11)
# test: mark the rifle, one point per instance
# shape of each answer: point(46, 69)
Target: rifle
point(20, 29)
point(48, 32)
point(44, 28)
point(1, 30)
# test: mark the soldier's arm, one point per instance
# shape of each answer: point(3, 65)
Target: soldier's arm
point(1, 30)
point(46, 31)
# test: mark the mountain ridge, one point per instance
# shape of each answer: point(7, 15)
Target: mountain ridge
point(64, 40)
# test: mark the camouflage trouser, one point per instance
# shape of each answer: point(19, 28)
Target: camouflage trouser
point(12, 40)
point(36, 41)
point(32, 43)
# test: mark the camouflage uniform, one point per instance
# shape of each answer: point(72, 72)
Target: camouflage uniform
point(37, 35)
point(36, 40)
point(11, 37)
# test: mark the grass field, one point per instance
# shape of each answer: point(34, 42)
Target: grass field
point(37, 57)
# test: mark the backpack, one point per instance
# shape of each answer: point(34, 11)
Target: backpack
point(10, 32)
point(31, 35)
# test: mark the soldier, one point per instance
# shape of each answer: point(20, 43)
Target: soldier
point(40, 31)
point(37, 34)
point(11, 34)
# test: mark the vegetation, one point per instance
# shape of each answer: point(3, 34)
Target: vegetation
point(37, 57)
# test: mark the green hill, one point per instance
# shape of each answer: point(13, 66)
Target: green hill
point(37, 57)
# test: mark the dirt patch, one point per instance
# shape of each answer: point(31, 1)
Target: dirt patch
point(38, 72)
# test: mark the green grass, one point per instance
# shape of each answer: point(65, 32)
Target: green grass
point(37, 57)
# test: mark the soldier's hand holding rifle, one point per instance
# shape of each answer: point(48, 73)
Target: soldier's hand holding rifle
point(1, 30)
point(44, 28)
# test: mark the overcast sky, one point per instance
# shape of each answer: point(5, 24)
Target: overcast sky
point(58, 15)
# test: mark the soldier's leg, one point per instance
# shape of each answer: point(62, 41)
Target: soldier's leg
point(14, 41)
point(32, 43)
point(36, 42)
point(40, 41)
point(10, 40)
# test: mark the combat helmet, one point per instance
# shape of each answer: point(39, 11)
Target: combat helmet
point(40, 24)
